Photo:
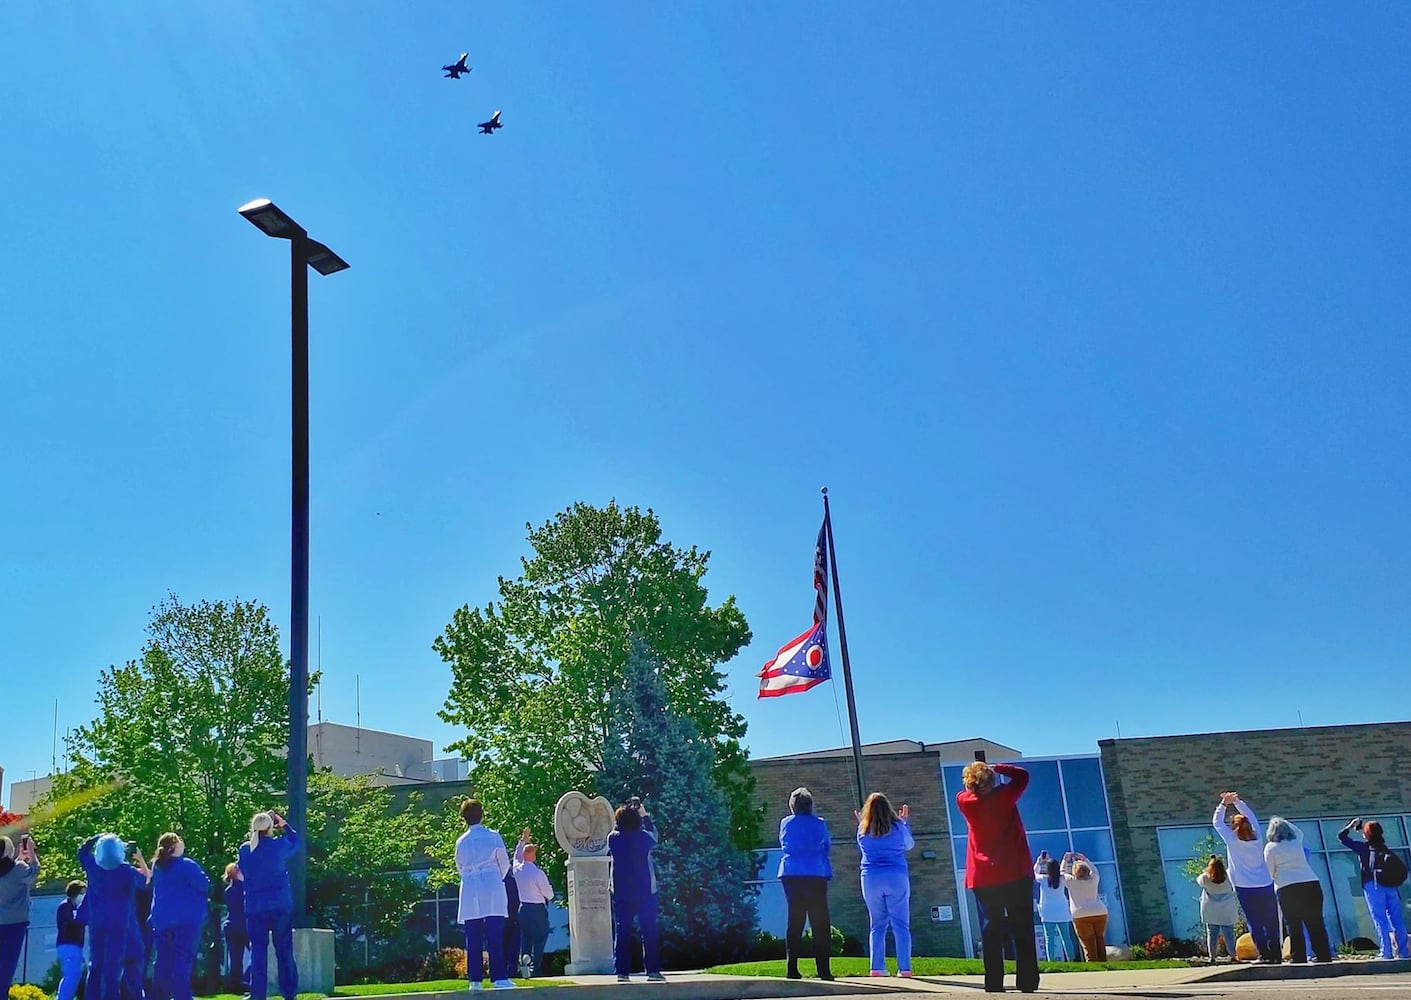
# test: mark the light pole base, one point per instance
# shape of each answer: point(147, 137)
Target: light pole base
point(314, 955)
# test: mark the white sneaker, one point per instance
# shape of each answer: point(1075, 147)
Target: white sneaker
point(504, 984)
point(476, 987)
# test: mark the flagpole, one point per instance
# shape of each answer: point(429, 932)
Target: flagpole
point(843, 645)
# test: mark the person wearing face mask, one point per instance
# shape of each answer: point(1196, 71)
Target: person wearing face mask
point(72, 917)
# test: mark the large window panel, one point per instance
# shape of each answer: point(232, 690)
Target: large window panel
point(959, 845)
point(953, 786)
point(1345, 881)
point(1110, 888)
point(1181, 841)
point(1096, 844)
point(1042, 802)
point(773, 908)
point(1183, 898)
point(1055, 843)
point(1087, 800)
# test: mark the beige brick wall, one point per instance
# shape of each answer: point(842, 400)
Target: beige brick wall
point(912, 778)
point(1175, 781)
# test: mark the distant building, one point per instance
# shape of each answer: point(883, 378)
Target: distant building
point(351, 751)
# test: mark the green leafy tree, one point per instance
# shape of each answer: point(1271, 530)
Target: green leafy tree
point(707, 910)
point(191, 737)
point(360, 854)
point(533, 675)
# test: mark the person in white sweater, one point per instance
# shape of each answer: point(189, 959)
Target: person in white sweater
point(1088, 910)
point(1218, 908)
point(1053, 910)
point(1253, 883)
point(1300, 893)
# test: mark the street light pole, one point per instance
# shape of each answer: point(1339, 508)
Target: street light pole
point(303, 254)
point(298, 792)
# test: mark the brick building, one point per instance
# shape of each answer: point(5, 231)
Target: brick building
point(1139, 808)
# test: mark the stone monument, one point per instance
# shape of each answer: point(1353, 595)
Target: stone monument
point(582, 825)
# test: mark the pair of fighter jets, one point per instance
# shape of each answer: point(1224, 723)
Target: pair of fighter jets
point(458, 69)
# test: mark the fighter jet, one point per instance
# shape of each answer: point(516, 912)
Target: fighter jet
point(488, 128)
point(454, 71)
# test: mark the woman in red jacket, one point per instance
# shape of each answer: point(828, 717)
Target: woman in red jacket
point(999, 870)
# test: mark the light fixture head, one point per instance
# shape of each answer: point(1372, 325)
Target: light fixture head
point(322, 259)
point(270, 219)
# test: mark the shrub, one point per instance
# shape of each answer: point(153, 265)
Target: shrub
point(836, 941)
point(1139, 953)
point(765, 947)
point(554, 962)
point(448, 963)
point(50, 983)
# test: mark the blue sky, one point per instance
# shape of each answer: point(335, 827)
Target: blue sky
point(1092, 318)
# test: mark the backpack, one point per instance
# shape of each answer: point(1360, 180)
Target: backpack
point(1387, 868)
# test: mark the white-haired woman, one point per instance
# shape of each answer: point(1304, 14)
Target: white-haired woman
point(804, 871)
point(269, 902)
point(1300, 894)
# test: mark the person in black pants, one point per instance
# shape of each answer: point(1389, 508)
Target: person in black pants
point(804, 871)
point(999, 870)
point(512, 951)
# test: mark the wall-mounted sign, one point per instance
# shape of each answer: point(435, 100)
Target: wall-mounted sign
point(940, 914)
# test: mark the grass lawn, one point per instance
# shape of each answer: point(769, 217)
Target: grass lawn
point(933, 967)
point(435, 986)
point(391, 989)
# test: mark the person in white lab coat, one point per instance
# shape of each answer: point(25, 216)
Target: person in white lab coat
point(483, 862)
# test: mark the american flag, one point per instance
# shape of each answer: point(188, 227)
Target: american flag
point(803, 663)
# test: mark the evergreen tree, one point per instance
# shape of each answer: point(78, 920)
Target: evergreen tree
point(707, 910)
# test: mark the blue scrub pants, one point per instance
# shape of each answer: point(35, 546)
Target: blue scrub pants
point(887, 893)
point(107, 947)
point(11, 944)
point(1384, 906)
point(70, 969)
point(279, 928)
point(176, 960)
point(1261, 912)
point(485, 936)
point(644, 910)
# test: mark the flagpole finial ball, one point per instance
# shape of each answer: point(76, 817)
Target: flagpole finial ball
point(823, 490)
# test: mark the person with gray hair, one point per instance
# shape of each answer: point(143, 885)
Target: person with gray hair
point(1300, 893)
point(804, 871)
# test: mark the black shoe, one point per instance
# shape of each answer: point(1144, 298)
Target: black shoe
point(827, 977)
point(792, 974)
point(624, 979)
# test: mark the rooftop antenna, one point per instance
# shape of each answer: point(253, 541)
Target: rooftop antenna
point(358, 712)
point(54, 750)
point(1300, 718)
point(1119, 729)
point(318, 691)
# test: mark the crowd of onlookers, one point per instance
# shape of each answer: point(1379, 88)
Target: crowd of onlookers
point(137, 916)
point(131, 911)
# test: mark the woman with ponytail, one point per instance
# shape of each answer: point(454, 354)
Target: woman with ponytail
point(179, 891)
point(1380, 887)
point(269, 902)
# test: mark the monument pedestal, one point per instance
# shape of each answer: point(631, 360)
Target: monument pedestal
point(314, 954)
point(589, 917)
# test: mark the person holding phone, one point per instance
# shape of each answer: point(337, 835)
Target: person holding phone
point(19, 869)
point(112, 915)
point(634, 890)
point(883, 838)
point(1380, 886)
point(269, 902)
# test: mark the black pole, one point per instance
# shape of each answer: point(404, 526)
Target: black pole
point(299, 566)
point(843, 645)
